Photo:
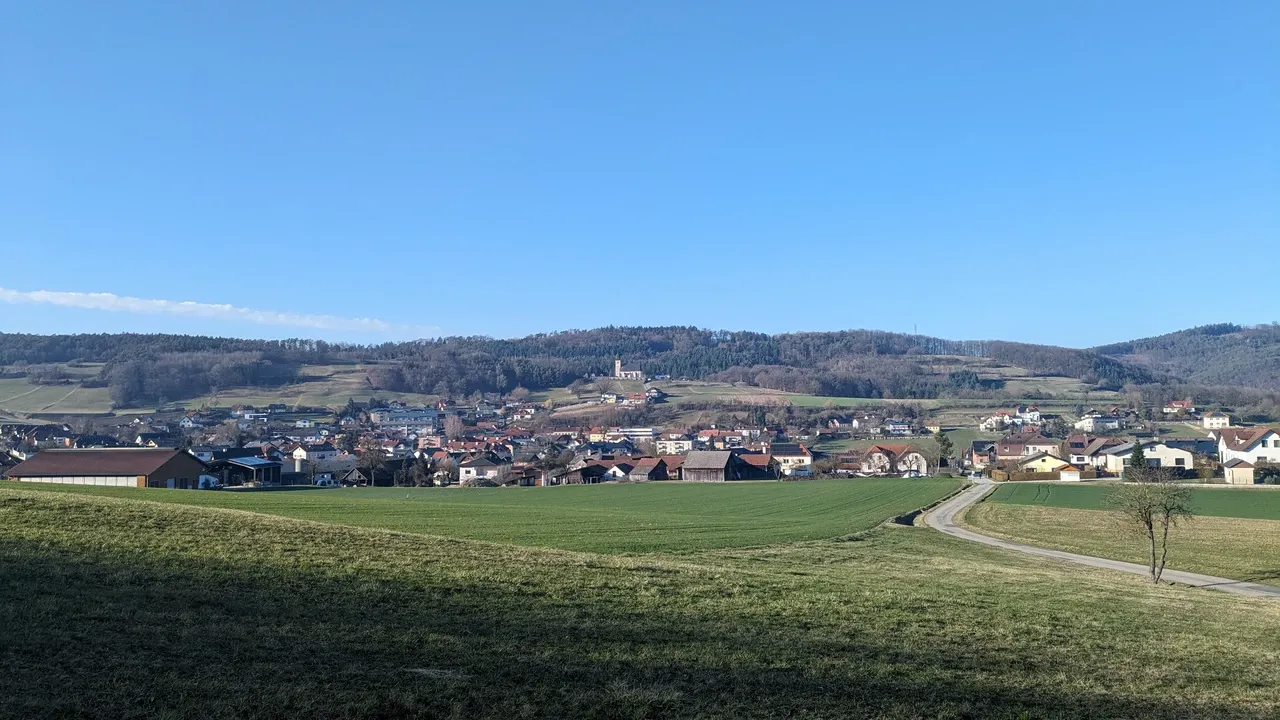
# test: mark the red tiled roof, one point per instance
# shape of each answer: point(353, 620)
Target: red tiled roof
point(673, 461)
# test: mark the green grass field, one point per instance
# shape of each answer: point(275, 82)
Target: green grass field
point(1242, 502)
point(1238, 548)
point(119, 607)
point(19, 396)
point(669, 517)
point(1235, 534)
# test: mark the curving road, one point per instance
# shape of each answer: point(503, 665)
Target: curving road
point(943, 518)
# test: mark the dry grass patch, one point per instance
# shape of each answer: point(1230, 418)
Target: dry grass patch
point(1237, 548)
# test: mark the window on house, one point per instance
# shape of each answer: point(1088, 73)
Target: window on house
point(1181, 462)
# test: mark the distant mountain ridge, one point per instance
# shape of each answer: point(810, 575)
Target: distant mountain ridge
point(1218, 354)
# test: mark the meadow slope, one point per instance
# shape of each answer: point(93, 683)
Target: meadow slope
point(123, 607)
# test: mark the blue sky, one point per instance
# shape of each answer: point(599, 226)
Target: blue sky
point(1046, 172)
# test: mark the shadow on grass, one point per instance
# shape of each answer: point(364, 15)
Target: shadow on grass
point(175, 614)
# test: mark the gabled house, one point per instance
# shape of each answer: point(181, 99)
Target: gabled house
point(1011, 449)
point(792, 459)
point(383, 476)
point(897, 428)
point(620, 470)
point(980, 454)
point(647, 469)
point(1158, 455)
point(1216, 420)
point(1042, 463)
point(894, 459)
point(486, 467)
point(323, 452)
point(1085, 450)
point(1252, 445)
point(1040, 444)
point(872, 425)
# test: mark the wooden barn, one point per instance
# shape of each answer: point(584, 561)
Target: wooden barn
point(711, 466)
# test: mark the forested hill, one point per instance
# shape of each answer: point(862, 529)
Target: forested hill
point(1221, 354)
point(863, 363)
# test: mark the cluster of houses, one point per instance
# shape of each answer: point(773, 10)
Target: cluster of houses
point(495, 441)
point(485, 442)
point(1239, 452)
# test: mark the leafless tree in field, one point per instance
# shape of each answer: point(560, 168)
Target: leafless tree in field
point(1151, 504)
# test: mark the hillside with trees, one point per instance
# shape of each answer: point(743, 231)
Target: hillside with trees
point(1222, 354)
point(154, 368)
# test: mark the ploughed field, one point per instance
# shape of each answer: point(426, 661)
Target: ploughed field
point(608, 518)
point(116, 605)
point(1235, 532)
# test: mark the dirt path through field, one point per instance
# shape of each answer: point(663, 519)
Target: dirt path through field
point(59, 400)
point(943, 519)
point(20, 395)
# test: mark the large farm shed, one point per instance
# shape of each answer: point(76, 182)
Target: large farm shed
point(711, 466)
point(123, 467)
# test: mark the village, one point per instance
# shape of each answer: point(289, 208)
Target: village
point(501, 441)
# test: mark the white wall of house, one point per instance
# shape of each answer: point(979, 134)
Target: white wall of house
point(673, 447)
point(795, 464)
point(1242, 475)
point(1159, 455)
point(1268, 449)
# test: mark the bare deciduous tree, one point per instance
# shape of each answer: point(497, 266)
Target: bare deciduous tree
point(371, 460)
point(1150, 505)
point(453, 427)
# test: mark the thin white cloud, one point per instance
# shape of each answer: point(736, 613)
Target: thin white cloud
point(212, 311)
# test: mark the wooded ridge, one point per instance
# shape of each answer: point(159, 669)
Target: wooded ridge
point(852, 363)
